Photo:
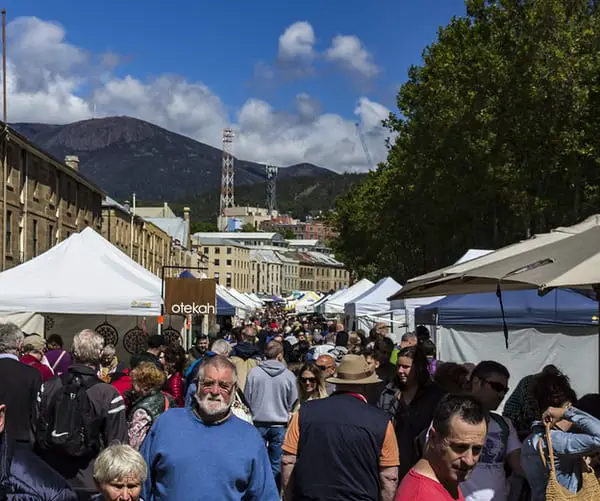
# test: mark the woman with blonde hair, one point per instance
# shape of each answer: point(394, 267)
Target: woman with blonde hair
point(147, 401)
point(355, 343)
point(119, 472)
point(311, 385)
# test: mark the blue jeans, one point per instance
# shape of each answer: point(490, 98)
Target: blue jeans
point(273, 437)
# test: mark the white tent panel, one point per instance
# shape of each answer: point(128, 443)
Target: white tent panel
point(574, 350)
point(374, 300)
point(241, 309)
point(250, 305)
point(84, 274)
point(335, 305)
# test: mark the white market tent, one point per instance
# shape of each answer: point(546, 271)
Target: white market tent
point(335, 304)
point(241, 309)
point(374, 300)
point(84, 274)
point(250, 305)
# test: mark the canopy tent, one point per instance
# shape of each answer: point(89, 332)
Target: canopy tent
point(249, 304)
point(84, 274)
point(558, 328)
point(335, 304)
point(521, 308)
point(565, 257)
point(224, 308)
point(305, 303)
point(241, 309)
point(325, 298)
point(374, 300)
point(255, 298)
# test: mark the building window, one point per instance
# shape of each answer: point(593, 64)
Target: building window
point(228, 280)
point(8, 236)
point(50, 236)
point(228, 250)
point(205, 250)
point(217, 276)
point(35, 238)
point(217, 262)
point(229, 262)
point(217, 250)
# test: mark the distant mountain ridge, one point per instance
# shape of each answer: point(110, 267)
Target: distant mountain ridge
point(125, 155)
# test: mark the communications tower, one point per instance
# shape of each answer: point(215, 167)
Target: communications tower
point(226, 178)
point(271, 172)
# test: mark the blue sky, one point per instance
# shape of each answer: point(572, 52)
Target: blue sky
point(224, 44)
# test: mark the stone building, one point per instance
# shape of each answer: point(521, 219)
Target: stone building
point(228, 263)
point(46, 201)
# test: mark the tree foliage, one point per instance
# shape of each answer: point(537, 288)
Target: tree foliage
point(496, 139)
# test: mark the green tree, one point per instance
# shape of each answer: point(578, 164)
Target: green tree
point(248, 227)
point(494, 140)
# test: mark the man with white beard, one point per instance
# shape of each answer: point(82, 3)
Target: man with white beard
point(204, 452)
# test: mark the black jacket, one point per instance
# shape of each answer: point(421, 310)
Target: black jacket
point(26, 477)
point(19, 387)
point(108, 405)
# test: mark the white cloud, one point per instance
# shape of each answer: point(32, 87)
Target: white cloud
point(349, 51)
point(297, 42)
point(52, 81)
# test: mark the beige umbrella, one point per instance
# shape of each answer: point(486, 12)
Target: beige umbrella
point(565, 257)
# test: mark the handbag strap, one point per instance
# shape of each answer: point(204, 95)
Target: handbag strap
point(55, 365)
point(550, 449)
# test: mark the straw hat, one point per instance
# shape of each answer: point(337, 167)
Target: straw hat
point(354, 369)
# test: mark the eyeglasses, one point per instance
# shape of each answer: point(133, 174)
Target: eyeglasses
point(308, 380)
point(325, 367)
point(497, 387)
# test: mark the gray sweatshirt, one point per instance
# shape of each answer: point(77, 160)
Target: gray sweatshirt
point(271, 392)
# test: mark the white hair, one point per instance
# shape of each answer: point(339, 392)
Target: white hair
point(221, 347)
point(87, 347)
point(11, 338)
point(220, 362)
point(117, 462)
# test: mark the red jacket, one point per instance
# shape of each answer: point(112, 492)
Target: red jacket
point(45, 371)
point(123, 384)
point(175, 389)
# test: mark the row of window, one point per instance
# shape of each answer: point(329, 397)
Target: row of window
point(35, 237)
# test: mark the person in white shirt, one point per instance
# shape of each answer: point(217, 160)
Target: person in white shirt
point(488, 481)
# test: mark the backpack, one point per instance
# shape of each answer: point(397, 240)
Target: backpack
point(69, 423)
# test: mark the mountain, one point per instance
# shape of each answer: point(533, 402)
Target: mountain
point(124, 155)
point(299, 196)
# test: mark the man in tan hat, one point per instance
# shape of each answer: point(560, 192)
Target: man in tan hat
point(340, 447)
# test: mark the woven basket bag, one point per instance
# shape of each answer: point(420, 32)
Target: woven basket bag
point(590, 488)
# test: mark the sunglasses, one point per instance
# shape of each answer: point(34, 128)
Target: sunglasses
point(324, 367)
point(308, 380)
point(497, 387)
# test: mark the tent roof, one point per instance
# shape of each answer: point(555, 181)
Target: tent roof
point(84, 274)
point(523, 308)
point(335, 304)
point(374, 299)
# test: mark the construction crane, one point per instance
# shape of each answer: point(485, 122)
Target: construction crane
point(364, 145)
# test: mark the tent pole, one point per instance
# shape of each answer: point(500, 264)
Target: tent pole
point(597, 291)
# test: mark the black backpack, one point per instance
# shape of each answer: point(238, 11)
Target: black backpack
point(69, 423)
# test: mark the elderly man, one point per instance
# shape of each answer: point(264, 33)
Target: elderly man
point(25, 381)
point(456, 441)
point(341, 447)
point(73, 431)
point(204, 452)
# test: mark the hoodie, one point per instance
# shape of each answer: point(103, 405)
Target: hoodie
point(271, 392)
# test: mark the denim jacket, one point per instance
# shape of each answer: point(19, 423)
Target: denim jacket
point(569, 448)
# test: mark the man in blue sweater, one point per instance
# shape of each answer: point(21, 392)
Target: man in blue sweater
point(204, 452)
point(271, 392)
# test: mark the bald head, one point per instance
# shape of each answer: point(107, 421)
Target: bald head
point(327, 365)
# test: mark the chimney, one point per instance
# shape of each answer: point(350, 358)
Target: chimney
point(72, 161)
point(165, 209)
point(186, 213)
point(127, 205)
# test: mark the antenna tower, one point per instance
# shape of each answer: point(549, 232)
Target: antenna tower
point(226, 177)
point(271, 172)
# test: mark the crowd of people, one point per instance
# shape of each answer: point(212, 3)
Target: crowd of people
point(284, 408)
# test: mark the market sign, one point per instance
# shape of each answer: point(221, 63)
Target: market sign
point(190, 296)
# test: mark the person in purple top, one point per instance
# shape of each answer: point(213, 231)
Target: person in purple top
point(58, 358)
